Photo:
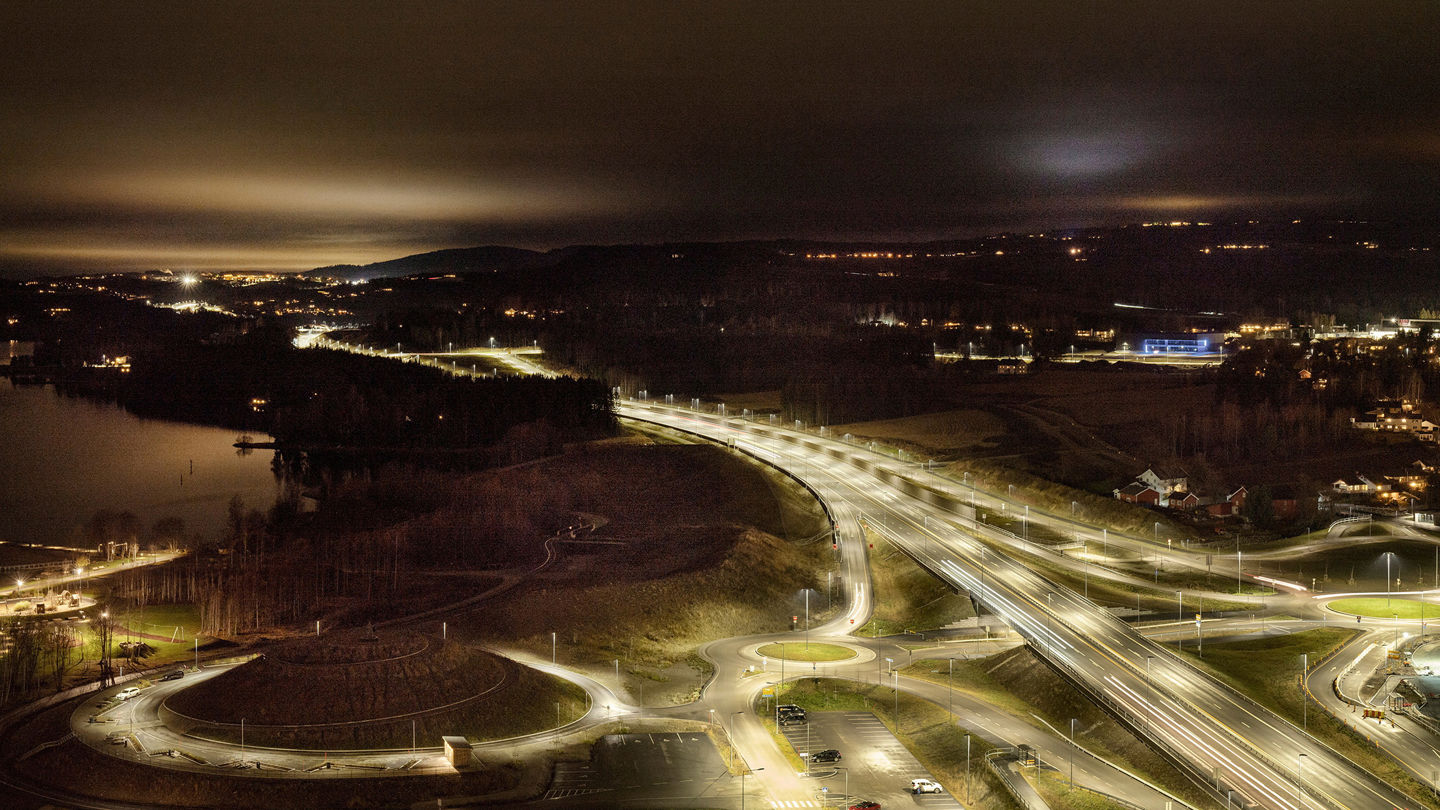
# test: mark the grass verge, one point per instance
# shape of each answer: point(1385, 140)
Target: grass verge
point(1055, 788)
point(907, 597)
point(925, 729)
point(1268, 671)
point(1023, 686)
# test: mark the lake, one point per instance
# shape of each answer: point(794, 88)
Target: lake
point(63, 458)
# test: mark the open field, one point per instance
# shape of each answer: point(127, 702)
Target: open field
point(336, 693)
point(693, 543)
point(940, 434)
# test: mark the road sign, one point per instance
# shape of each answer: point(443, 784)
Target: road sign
point(768, 691)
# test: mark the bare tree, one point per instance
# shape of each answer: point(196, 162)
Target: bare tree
point(59, 641)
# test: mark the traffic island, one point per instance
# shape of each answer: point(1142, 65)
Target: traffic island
point(800, 651)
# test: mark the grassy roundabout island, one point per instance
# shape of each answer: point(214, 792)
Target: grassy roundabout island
point(352, 692)
point(800, 651)
point(1378, 607)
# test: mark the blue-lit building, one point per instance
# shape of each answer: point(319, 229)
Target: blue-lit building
point(1181, 343)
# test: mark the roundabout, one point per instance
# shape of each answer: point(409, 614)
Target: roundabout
point(344, 707)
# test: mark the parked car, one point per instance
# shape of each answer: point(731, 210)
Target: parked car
point(865, 806)
point(174, 676)
point(828, 755)
point(792, 711)
point(925, 786)
point(127, 693)
point(791, 718)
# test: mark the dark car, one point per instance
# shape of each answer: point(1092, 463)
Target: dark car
point(792, 718)
point(865, 806)
point(828, 755)
point(174, 676)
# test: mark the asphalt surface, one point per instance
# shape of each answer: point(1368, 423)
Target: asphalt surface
point(874, 766)
point(1248, 749)
point(1220, 732)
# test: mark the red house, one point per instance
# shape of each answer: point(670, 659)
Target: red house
point(1138, 493)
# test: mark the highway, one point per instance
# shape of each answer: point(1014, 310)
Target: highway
point(1225, 738)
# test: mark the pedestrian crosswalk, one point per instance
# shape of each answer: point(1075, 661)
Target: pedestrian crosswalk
point(793, 804)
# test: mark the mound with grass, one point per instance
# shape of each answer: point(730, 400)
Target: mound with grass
point(357, 692)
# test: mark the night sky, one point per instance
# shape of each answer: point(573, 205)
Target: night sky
point(288, 136)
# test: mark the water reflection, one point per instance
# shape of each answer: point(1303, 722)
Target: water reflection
point(63, 458)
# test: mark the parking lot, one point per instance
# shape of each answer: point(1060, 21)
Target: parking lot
point(638, 768)
point(879, 768)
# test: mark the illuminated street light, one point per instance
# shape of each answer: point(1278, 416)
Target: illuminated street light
point(1388, 555)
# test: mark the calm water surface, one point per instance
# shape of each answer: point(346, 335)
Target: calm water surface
point(62, 458)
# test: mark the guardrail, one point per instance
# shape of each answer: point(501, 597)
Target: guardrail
point(1026, 798)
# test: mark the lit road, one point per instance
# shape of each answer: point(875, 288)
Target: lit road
point(149, 729)
point(1227, 739)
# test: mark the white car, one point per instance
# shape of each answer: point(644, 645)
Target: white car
point(127, 693)
point(925, 786)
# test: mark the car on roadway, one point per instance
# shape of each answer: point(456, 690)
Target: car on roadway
point(174, 676)
point(865, 806)
point(925, 786)
point(828, 755)
point(127, 693)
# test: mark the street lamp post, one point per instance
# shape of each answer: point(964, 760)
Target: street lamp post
point(967, 768)
point(1305, 704)
point(1179, 614)
point(950, 692)
point(742, 786)
point(1150, 684)
point(897, 702)
point(1300, 779)
point(1237, 565)
point(1072, 752)
point(730, 735)
point(1388, 555)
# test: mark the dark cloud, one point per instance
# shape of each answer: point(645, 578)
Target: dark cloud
point(137, 134)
